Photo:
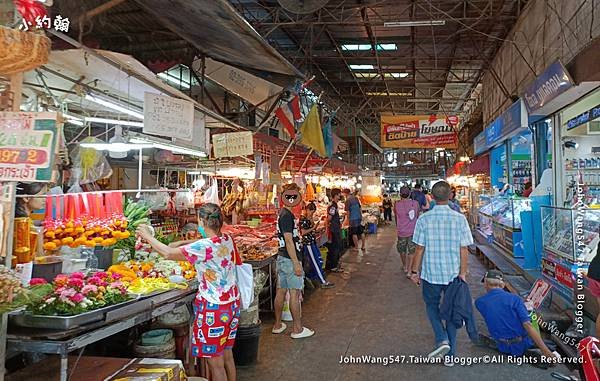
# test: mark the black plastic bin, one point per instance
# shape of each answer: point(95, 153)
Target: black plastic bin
point(105, 257)
point(245, 350)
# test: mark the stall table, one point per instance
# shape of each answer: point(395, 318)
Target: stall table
point(267, 265)
point(61, 343)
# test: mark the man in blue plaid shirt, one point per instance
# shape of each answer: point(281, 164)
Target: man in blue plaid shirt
point(442, 237)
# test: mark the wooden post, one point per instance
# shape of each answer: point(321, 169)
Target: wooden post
point(306, 160)
point(286, 152)
point(7, 198)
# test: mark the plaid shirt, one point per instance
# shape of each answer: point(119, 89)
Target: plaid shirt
point(442, 232)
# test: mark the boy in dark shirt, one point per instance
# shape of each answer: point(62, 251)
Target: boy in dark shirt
point(290, 276)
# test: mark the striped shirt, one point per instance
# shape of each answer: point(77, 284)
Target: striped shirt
point(442, 232)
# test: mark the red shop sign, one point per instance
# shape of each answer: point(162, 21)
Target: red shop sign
point(564, 276)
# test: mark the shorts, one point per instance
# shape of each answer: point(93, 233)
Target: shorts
point(215, 327)
point(405, 245)
point(356, 229)
point(594, 287)
point(286, 278)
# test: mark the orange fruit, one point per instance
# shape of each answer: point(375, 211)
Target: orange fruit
point(67, 240)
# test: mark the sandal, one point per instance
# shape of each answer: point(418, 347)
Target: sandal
point(304, 334)
point(277, 331)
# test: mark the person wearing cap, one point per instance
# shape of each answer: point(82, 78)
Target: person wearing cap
point(442, 237)
point(507, 318)
point(407, 212)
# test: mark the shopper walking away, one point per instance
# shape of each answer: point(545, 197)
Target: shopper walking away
point(418, 195)
point(334, 229)
point(354, 219)
point(442, 237)
point(217, 304)
point(387, 208)
point(407, 212)
point(452, 202)
point(309, 246)
point(290, 276)
point(507, 319)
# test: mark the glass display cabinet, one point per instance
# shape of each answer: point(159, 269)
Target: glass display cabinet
point(570, 240)
point(505, 215)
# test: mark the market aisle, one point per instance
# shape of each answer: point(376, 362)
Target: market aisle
point(374, 310)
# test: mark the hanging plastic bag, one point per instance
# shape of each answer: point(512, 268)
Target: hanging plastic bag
point(91, 163)
point(184, 200)
point(212, 193)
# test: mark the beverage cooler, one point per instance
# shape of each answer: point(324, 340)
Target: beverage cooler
point(570, 240)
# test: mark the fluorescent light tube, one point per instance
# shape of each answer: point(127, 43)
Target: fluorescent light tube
point(115, 147)
point(115, 121)
point(399, 24)
point(73, 119)
point(361, 67)
point(169, 147)
point(114, 106)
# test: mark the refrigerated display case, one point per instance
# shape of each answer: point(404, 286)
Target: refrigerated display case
point(480, 221)
point(570, 239)
point(505, 215)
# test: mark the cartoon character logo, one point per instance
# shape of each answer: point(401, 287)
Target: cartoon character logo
point(290, 195)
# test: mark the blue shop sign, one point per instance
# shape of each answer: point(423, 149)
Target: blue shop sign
point(580, 119)
point(479, 144)
point(552, 82)
point(513, 120)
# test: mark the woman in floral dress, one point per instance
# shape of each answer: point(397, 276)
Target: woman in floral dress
point(217, 304)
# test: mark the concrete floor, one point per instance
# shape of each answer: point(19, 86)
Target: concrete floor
point(373, 310)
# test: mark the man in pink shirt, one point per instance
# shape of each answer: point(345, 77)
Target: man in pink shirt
point(407, 212)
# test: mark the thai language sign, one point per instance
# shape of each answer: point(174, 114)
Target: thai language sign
point(233, 144)
point(547, 86)
point(419, 131)
point(27, 146)
point(168, 116)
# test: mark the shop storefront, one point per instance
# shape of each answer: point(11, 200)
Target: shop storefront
point(571, 227)
point(508, 140)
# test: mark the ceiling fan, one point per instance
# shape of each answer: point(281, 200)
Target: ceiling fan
point(302, 6)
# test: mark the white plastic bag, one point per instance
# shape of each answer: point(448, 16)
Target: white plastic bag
point(184, 200)
point(212, 194)
point(245, 283)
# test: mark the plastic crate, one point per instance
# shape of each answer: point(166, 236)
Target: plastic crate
point(372, 228)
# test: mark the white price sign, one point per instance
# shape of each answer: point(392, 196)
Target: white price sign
point(233, 144)
point(168, 116)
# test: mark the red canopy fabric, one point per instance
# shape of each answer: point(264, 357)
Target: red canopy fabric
point(481, 165)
